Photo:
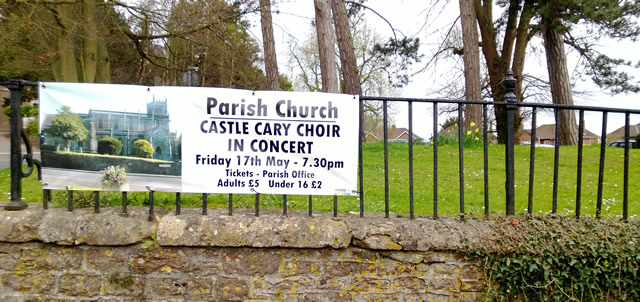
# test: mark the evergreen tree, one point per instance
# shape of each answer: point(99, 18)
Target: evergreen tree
point(67, 126)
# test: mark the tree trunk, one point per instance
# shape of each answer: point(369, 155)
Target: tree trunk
point(270, 62)
point(103, 67)
point(345, 45)
point(499, 62)
point(89, 41)
point(471, 58)
point(560, 85)
point(66, 53)
point(326, 46)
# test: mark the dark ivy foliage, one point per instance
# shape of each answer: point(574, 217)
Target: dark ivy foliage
point(564, 259)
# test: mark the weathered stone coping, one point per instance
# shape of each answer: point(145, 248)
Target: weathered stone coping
point(243, 229)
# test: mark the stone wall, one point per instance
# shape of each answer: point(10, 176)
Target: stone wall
point(49, 255)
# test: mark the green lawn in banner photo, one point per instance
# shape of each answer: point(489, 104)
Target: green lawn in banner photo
point(448, 184)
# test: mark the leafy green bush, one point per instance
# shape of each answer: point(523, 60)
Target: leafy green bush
point(636, 145)
point(33, 128)
point(564, 259)
point(25, 111)
point(29, 110)
point(142, 148)
point(109, 145)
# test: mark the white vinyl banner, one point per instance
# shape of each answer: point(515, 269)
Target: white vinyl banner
point(205, 140)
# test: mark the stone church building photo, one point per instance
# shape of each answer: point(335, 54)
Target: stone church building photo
point(128, 127)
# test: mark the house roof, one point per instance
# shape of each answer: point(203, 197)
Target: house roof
point(548, 131)
point(394, 134)
point(48, 118)
point(619, 133)
point(523, 132)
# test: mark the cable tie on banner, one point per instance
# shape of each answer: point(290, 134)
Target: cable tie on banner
point(44, 86)
point(44, 184)
point(148, 89)
point(254, 191)
point(253, 93)
point(148, 188)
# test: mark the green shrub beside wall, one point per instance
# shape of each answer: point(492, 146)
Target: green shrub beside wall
point(142, 148)
point(563, 259)
point(109, 145)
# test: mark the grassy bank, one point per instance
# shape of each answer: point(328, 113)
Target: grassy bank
point(448, 183)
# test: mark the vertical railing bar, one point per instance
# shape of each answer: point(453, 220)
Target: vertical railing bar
point(69, 200)
point(204, 203)
point(411, 209)
point(230, 204)
point(335, 205)
point(461, 159)
point(45, 198)
point(124, 202)
point(17, 137)
point(625, 198)
point(151, 210)
point(96, 202)
point(435, 160)
point(532, 158)
point(178, 203)
point(579, 170)
point(385, 130)
point(284, 205)
point(485, 142)
point(257, 204)
point(603, 144)
point(16, 202)
point(556, 163)
point(310, 205)
point(360, 167)
point(510, 98)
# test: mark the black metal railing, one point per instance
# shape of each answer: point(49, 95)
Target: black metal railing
point(18, 133)
point(510, 105)
point(509, 155)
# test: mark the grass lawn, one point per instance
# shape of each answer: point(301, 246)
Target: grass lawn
point(448, 184)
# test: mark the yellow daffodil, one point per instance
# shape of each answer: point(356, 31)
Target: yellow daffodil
point(473, 124)
point(456, 125)
point(448, 131)
point(477, 139)
point(477, 130)
point(469, 132)
point(432, 142)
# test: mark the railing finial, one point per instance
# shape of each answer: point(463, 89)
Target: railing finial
point(510, 87)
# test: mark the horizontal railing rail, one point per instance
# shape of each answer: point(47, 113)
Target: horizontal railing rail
point(510, 105)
